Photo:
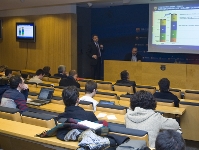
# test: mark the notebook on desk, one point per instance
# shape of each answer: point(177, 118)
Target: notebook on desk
point(44, 97)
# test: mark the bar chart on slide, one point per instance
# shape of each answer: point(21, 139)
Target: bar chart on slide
point(175, 27)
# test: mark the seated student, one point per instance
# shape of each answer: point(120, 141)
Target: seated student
point(164, 93)
point(70, 80)
point(61, 72)
point(8, 73)
point(13, 98)
point(70, 97)
point(37, 78)
point(125, 80)
point(90, 91)
point(142, 116)
point(46, 70)
point(169, 140)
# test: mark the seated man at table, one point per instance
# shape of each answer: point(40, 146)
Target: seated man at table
point(125, 80)
point(142, 116)
point(164, 93)
point(13, 97)
point(70, 97)
point(90, 91)
point(37, 78)
point(169, 140)
point(71, 80)
point(61, 72)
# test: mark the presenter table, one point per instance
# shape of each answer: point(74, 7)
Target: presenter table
point(26, 137)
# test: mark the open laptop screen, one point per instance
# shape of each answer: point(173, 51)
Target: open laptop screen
point(46, 94)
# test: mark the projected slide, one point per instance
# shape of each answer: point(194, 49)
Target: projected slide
point(174, 28)
point(25, 31)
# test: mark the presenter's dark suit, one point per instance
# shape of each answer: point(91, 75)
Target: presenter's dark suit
point(95, 63)
point(129, 56)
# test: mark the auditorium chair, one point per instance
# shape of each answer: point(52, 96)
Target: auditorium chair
point(10, 114)
point(86, 105)
point(82, 83)
point(104, 85)
point(133, 134)
point(189, 94)
point(111, 108)
point(59, 88)
point(45, 79)
point(176, 92)
point(38, 119)
point(57, 100)
point(41, 85)
point(31, 84)
point(126, 97)
point(189, 121)
point(106, 94)
point(165, 102)
point(32, 95)
point(150, 89)
point(123, 88)
point(54, 79)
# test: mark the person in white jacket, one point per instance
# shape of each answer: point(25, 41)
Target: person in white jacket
point(142, 116)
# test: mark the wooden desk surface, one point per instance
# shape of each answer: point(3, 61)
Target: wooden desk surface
point(27, 131)
point(120, 118)
point(189, 100)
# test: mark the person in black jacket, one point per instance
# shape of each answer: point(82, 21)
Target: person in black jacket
point(133, 56)
point(125, 80)
point(70, 80)
point(94, 53)
point(61, 72)
point(164, 93)
point(70, 97)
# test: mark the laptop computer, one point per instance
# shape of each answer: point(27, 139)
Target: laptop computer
point(44, 97)
point(107, 102)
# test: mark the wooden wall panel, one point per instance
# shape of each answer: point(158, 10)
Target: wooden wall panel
point(56, 40)
point(192, 77)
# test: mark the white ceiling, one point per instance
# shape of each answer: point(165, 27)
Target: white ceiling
point(19, 4)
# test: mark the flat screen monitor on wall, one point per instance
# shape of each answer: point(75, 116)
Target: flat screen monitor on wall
point(25, 32)
point(1, 34)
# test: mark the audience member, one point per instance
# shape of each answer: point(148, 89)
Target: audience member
point(142, 116)
point(13, 98)
point(46, 70)
point(164, 93)
point(8, 73)
point(71, 80)
point(70, 97)
point(133, 56)
point(37, 78)
point(61, 72)
point(125, 80)
point(90, 91)
point(169, 140)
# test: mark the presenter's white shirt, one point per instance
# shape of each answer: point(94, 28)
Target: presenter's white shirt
point(89, 99)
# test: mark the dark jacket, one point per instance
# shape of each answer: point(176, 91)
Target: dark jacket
point(69, 81)
point(129, 56)
point(127, 82)
point(60, 75)
point(3, 88)
point(93, 50)
point(167, 95)
point(75, 112)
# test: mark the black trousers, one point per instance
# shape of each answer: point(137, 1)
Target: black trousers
point(96, 70)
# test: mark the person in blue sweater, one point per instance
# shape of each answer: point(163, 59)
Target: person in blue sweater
point(16, 95)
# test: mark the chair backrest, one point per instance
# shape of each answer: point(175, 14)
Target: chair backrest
point(86, 105)
point(45, 78)
point(32, 95)
point(164, 102)
point(59, 88)
point(38, 119)
point(54, 79)
point(145, 88)
point(104, 85)
point(16, 72)
point(131, 133)
point(31, 84)
point(10, 114)
point(82, 83)
point(41, 85)
point(191, 95)
point(57, 100)
point(189, 121)
point(123, 88)
point(176, 92)
point(111, 108)
point(125, 97)
point(106, 94)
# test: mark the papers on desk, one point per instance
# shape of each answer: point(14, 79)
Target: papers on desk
point(101, 115)
point(111, 117)
point(29, 99)
point(90, 124)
